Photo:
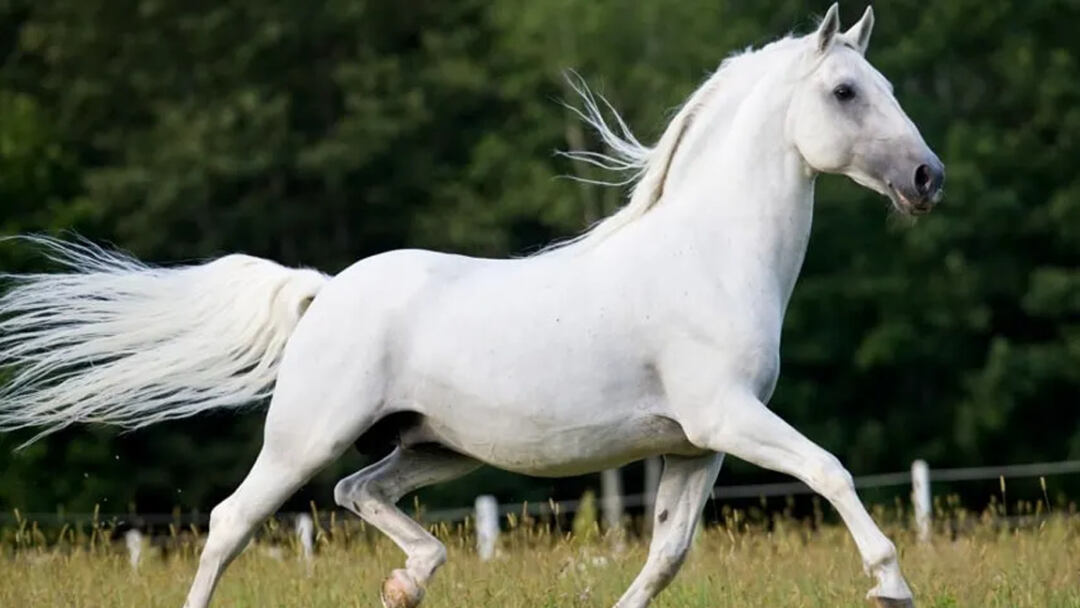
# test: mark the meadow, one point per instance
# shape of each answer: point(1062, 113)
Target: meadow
point(972, 560)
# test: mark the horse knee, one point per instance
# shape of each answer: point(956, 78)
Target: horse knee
point(363, 496)
point(343, 493)
point(831, 479)
point(357, 494)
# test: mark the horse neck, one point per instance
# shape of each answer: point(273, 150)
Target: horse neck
point(744, 201)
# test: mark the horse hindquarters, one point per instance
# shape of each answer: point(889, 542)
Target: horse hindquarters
point(328, 393)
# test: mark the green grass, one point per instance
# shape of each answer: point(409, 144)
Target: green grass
point(734, 565)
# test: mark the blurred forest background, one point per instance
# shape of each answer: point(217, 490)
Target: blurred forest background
point(317, 133)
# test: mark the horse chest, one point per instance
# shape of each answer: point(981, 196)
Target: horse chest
point(733, 345)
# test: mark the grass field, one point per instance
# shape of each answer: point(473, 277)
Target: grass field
point(735, 565)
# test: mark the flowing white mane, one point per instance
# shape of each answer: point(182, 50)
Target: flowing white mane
point(649, 168)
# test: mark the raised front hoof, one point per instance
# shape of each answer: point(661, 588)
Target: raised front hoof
point(888, 602)
point(401, 590)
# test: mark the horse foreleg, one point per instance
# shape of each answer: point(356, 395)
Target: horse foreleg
point(372, 494)
point(745, 428)
point(684, 487)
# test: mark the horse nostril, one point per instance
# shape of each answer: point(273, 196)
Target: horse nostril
point(924, 180)
point(928, 180)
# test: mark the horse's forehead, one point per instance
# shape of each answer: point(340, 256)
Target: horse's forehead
point(848, 63)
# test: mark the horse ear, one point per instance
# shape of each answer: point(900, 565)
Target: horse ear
point(827, 30)
point(859, 34)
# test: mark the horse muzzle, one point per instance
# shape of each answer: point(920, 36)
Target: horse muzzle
point(921, 189)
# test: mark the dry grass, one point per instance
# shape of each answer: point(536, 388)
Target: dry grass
point(737, 565)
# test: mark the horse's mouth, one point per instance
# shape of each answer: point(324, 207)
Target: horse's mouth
point(905, 205)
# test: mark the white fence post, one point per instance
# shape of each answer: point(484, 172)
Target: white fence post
point(305, 531)
point(653, 467)
point(487, 526)
point(134, 541)
point(920, 498)
point(611, 499)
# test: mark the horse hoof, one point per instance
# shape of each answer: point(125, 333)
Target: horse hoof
point(888, 602)
point(400, 590)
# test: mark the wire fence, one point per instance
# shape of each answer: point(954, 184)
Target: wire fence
point(561, 507)
point(791, 488)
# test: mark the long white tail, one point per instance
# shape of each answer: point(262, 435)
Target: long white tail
point(116, 341)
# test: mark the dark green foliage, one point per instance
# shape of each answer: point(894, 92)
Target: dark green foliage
point(320, 132)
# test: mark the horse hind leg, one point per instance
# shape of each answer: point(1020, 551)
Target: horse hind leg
point(272, 479)
point(296, 445)
point(372, 494)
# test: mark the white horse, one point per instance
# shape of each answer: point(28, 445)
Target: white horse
point(656, 332)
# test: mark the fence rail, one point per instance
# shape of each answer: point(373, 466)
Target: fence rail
point(487, 512)
point(548, 508)
point(792, 488)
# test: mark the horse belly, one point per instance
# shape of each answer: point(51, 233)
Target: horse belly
point(575, 448)
point(556, 415)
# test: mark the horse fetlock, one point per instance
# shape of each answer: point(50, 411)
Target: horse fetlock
point(883, 562)
point(423, 563)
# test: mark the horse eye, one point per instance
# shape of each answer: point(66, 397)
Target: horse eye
point(844, 92)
